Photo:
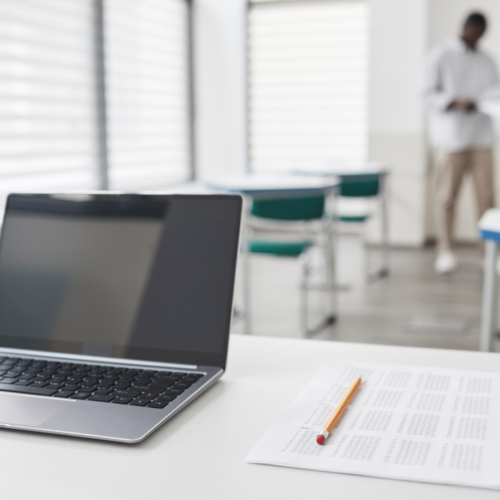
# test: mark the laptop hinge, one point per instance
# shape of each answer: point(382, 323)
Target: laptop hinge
point(95, 359)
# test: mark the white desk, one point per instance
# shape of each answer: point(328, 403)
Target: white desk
point(273, 186)
point(263, 186)
point(200, 452)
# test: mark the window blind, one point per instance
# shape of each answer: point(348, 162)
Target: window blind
point(307, 83)
point(47, 101)
point(147, 92)
point(55, 56)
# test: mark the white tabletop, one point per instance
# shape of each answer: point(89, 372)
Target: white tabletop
point(342, 168)
point(490, 221)
point(200, 452)
point(274, 184)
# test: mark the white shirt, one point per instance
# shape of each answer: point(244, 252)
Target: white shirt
point(455, 71)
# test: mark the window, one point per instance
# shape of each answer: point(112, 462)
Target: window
point(307, 83)
point(47, 98)
point(65, 66)
point(147, 88)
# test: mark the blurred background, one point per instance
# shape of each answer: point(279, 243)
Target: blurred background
point(162, 95)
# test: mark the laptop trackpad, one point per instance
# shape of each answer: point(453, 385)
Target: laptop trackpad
point(30, 411)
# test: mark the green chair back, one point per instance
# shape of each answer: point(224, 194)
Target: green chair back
point(303, 208)
point(359, 186)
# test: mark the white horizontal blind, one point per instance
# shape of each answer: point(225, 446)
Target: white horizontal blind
point(308, 83)
point(47, 101)
point(147, 92)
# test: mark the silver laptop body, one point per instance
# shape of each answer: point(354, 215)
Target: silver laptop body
point(115, 309)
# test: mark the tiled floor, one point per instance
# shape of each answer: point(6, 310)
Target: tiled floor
point(412, 307)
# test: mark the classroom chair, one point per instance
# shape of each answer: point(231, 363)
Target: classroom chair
point(355, 208)
point(315, 231)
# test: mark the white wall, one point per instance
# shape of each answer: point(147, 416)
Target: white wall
point(401, 33)
point(397, 46)
point(220, 89)
point(445, 19)
point(398, 41)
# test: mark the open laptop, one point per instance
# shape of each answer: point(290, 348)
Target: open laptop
point(115, 309)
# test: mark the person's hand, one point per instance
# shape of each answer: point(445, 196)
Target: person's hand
point(463, 105)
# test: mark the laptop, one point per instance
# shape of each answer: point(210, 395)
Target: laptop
point(115, 309)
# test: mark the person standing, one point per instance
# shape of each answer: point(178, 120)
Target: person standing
point(457, 75)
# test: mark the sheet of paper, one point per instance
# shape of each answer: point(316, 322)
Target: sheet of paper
point(412, 423)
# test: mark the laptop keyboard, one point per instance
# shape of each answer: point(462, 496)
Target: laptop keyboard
point(107, 384)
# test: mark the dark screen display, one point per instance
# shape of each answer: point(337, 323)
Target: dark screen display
point(146, 277)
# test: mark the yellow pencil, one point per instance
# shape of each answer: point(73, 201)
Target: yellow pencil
point(338, 412)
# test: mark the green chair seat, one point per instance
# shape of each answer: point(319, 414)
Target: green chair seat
point(290, 209)
point(353, 218)
point(352, 187)
point(280, 248)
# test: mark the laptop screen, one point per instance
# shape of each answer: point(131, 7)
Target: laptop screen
point(147, 277)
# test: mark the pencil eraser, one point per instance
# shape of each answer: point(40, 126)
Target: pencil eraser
point(320, 439)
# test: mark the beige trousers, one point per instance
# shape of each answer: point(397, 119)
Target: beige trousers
point(450, 170)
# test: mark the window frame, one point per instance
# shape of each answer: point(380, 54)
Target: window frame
point(101, 101)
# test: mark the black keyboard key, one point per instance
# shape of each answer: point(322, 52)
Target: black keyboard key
point(122, 386)
point(122, 400)
point(182, 385)
point(149, 395)
point(88, 388)
point(43, 376)
point(158, 388)
point(90, 380)
point(71, 387)
point(63, 394)
point(23, 382)
point(11, 361)
point(165, 380)
point(104, 391)
point(80, 395)
point(140, 402)
point(26, 389)
point(140, 387)
point(167, 397)
point(105, 385)
point(158, 404)
point(38, 383)
point(53, 385)
point(8, 380)
point(105, 398)
point(174, 391)
point(128, 393)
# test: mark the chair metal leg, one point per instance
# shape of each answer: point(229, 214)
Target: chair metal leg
point(383, 270)
point(331, 289)
point(304, 306)
point(385, 231)
point(246, 292)
point(330, 255)
point(247, 327)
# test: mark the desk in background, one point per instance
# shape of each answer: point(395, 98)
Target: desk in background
point(263, 187)
point(489, 230)
point(358, 181)
point(200, 452)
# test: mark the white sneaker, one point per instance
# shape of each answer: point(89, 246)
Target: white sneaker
point(446, 262)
